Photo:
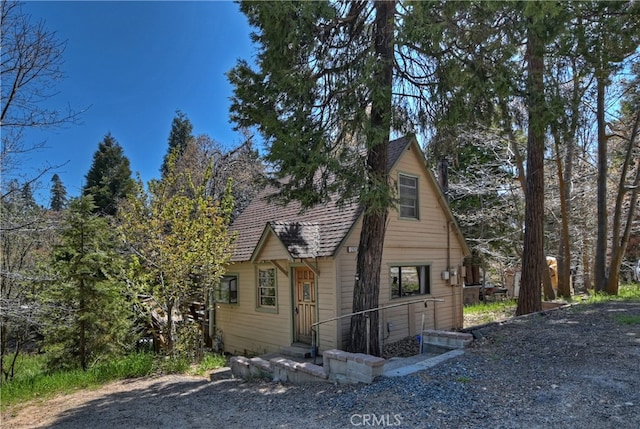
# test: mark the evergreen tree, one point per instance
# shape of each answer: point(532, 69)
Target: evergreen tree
point(180, 136)
point(58, 194)
point(323, 99)
point(539, 25)
point(90, 316)
point(27, 196)
point(109, 178)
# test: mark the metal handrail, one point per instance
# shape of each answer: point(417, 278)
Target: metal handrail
point(315, 342)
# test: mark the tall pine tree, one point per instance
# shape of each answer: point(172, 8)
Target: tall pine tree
point(322, 98)
point(180, 136)
point(109, 178)
point(58, 194)
point(482, 73)
point(89, 316)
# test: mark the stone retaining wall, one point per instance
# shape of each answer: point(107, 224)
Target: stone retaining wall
point(446, 339)
point(345, 367)
point(337, 366)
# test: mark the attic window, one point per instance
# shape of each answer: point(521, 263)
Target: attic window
point(408, 190)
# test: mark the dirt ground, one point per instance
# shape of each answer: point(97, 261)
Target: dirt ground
point(572, 367)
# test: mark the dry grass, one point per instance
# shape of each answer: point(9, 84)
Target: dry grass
point(482, 313)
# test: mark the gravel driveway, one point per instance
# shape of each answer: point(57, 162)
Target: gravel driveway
point(575, 367)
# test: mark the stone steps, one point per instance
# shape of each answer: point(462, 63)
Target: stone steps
point(344, 367)
point(296, 351)
point(338, 366)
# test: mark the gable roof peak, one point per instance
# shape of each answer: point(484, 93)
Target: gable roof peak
point(320, 230)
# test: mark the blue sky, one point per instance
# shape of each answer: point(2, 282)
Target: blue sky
point(133, 64)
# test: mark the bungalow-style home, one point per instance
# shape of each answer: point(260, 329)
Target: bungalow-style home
point(292, 270)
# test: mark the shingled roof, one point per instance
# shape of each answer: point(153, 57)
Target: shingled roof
point(315, 232)
point(302, 239)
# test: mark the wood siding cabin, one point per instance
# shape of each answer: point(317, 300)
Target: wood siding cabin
point(290, 270)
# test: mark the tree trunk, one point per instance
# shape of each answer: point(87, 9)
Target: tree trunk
point(587, 280)
point(533, 260)
point(4, 339)
point(600, 279)
point(169, 334)
point(565, 280)
point(564, 251)
point(82, 327)
point(367, 284)
point(369, 261)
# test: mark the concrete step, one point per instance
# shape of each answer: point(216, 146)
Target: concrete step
point(418, 363)
point(296, 351)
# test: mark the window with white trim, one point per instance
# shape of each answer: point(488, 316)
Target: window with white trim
point(410, 280)
point(408, 191)
point(267, 288)
point(227, 290)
